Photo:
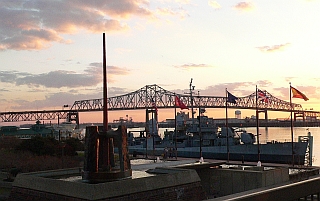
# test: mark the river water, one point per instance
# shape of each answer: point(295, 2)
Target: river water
point(280, 134)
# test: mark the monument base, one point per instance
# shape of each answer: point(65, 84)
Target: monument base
point(99, 177)
point(180, 184)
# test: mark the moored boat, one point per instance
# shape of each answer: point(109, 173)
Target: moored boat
point(201, 138)
point(209, 141)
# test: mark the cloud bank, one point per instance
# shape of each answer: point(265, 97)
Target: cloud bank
point(35, 24)
point(62, 78)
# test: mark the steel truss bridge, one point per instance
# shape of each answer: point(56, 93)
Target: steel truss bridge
point(144, 98)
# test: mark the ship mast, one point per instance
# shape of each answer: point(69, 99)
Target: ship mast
point(191, 89)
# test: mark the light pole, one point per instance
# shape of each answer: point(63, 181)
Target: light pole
point(200, 134)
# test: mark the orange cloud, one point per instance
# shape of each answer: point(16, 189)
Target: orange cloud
point(31, 39)
point(273, 48)
point(244, 6)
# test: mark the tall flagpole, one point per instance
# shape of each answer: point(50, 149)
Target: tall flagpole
point(105, 94)
point(175, 125)
point(228, 153)
point(106, 145)
point(191, 88)
point(291, 108)
point(200, 134)
point(257, 121)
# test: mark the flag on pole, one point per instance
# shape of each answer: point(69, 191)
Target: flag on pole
point(231, 98)
point(179, 103)
point(262, 96)
point(154, 105)
point(297, 94)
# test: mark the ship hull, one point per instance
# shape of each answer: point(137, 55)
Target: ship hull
point(269, 153)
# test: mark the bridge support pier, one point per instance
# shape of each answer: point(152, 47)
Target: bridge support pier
point(73, 116)
point(266, 116)
point(299, 115)
point(151, 129)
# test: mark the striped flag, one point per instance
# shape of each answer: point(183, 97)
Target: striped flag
point(262, 96)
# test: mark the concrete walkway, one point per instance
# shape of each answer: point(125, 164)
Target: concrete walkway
point(145, 164)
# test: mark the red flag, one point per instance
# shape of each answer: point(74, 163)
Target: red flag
point(180, 104)
point(297, 94)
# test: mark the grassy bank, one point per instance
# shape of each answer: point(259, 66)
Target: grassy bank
point(39, 154)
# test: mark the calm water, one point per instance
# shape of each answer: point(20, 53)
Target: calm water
point(278, 134)
point(284, 134)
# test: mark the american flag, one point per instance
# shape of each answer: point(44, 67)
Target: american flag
point(154, 105)
point(262, 96)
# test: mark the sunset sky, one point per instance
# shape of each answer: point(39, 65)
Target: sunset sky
point(51, 51)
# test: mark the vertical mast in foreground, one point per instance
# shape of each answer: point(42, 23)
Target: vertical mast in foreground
point(105, 95)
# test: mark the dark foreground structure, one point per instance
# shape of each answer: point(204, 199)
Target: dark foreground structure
point(182, 180)
point(179, 184)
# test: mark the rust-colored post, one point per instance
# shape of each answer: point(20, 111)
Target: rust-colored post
point(123, 149)
point(91, 149)
point(106, 142)
point(105, 96)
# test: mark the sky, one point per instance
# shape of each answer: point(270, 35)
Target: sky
point(51, 51)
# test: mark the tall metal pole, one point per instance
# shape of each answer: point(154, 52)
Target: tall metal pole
point(147, 131)
point(291, 109)
point(175, 126)
point(105, 96)
point(257, 121)
point(191, 88)
point(152, 133)
point(59, 128)
point(147, 128)
point(200, 134)
point(105, 144)
point(227, 127)
point(154, 117)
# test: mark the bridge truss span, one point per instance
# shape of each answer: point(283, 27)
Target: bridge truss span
point(150, 96)
point(144, 98)
point(36, 115)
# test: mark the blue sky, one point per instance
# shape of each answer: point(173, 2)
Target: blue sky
point(51, 51)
